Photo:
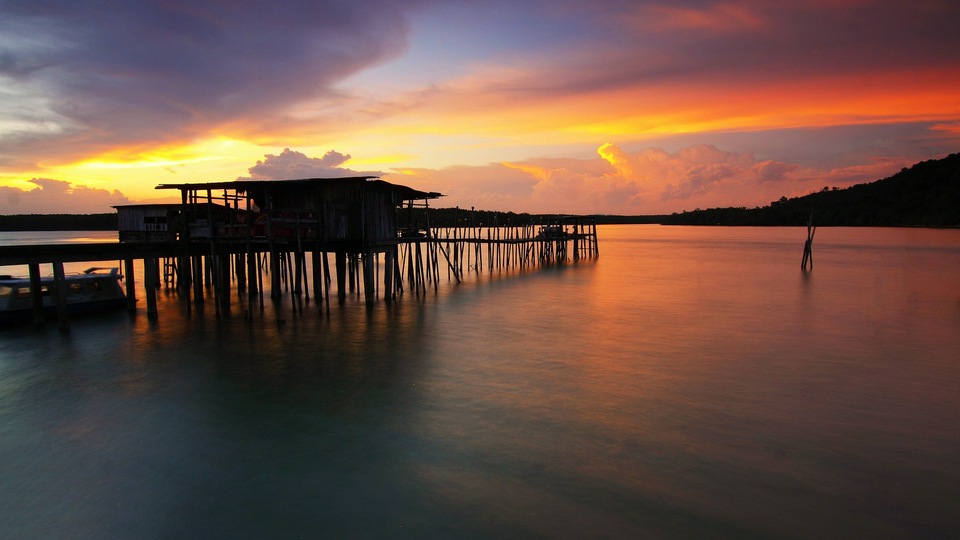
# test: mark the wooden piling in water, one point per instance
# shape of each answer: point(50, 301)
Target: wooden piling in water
point(150, 283)
point(808, 245)
point(131, 284)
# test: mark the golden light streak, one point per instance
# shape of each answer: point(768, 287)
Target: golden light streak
point(508, 119)
point(146, 162)
point(379, 159)
point(537, 172)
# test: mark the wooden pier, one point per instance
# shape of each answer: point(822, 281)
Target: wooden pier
point(224, 237)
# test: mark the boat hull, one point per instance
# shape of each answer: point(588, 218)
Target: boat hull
point(93, 291)
point(19, 316)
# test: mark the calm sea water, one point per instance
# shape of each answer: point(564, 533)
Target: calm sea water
point(691, 382)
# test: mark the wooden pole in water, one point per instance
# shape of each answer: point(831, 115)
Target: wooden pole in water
point(808, 245)
point(410, 269)
point(131, 284)
point(60, 285)
point(325, 265)
point(241, 269)
point(369, 279)
point(260, 280)
point(150, 281)
point(223, 276)
point(388, 275)
point(340, 260)
point(317, 268)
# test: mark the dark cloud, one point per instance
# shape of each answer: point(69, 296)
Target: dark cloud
point(774, 171)
point(116, 72)
point(632, 44)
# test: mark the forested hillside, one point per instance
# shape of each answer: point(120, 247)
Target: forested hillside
point(925, 195)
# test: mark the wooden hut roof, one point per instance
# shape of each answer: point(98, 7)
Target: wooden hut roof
point(406, 193)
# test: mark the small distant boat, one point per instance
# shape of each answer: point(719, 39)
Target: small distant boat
point(93, 290)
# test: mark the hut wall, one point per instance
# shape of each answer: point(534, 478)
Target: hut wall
point(143, 223)
point(142, 219)
point(380, 216)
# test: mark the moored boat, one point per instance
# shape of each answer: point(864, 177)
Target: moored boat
point(94, 290)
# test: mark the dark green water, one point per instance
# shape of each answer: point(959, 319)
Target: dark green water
point(691, 382)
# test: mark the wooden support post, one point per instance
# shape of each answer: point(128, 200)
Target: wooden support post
point(317, 268)
point(131, 284)
point(351, 273)
point(198, 273)
point(188, 276)
point(184, 280)
point(295, 272)
point(341, 263)
point(326, 279)
point(369, 281)
point(276, 273)
point(36, 294)
point(388, 275)
point(223, 267)
point(596, 246)
point(410, 269)
point(576, 244)
point(241, 272)
point(150, 282)
point(300, 260)
point(260, 280)
point(252, 272)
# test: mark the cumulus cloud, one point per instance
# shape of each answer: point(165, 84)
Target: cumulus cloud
point(58, 197)
point(292, 165)
point(488, 187)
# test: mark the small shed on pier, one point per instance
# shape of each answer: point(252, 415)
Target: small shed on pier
point(164, 222)
point(146, 222)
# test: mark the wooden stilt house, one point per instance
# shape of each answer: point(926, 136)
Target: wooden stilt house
point(353, 217)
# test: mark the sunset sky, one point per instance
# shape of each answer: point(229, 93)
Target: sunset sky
point(623, 107)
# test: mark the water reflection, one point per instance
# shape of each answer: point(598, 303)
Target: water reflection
point(692, 382)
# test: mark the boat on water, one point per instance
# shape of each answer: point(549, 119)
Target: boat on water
point(93, 290)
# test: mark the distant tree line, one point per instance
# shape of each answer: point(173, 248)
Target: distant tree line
point(59, 222)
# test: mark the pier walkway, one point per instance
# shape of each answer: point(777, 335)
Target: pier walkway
point(417, 260)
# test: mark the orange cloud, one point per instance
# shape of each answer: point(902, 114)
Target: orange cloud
point(721, 17)
point(647, 181)
point(58, 197)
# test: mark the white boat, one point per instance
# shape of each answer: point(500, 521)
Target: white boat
point(95, 289)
